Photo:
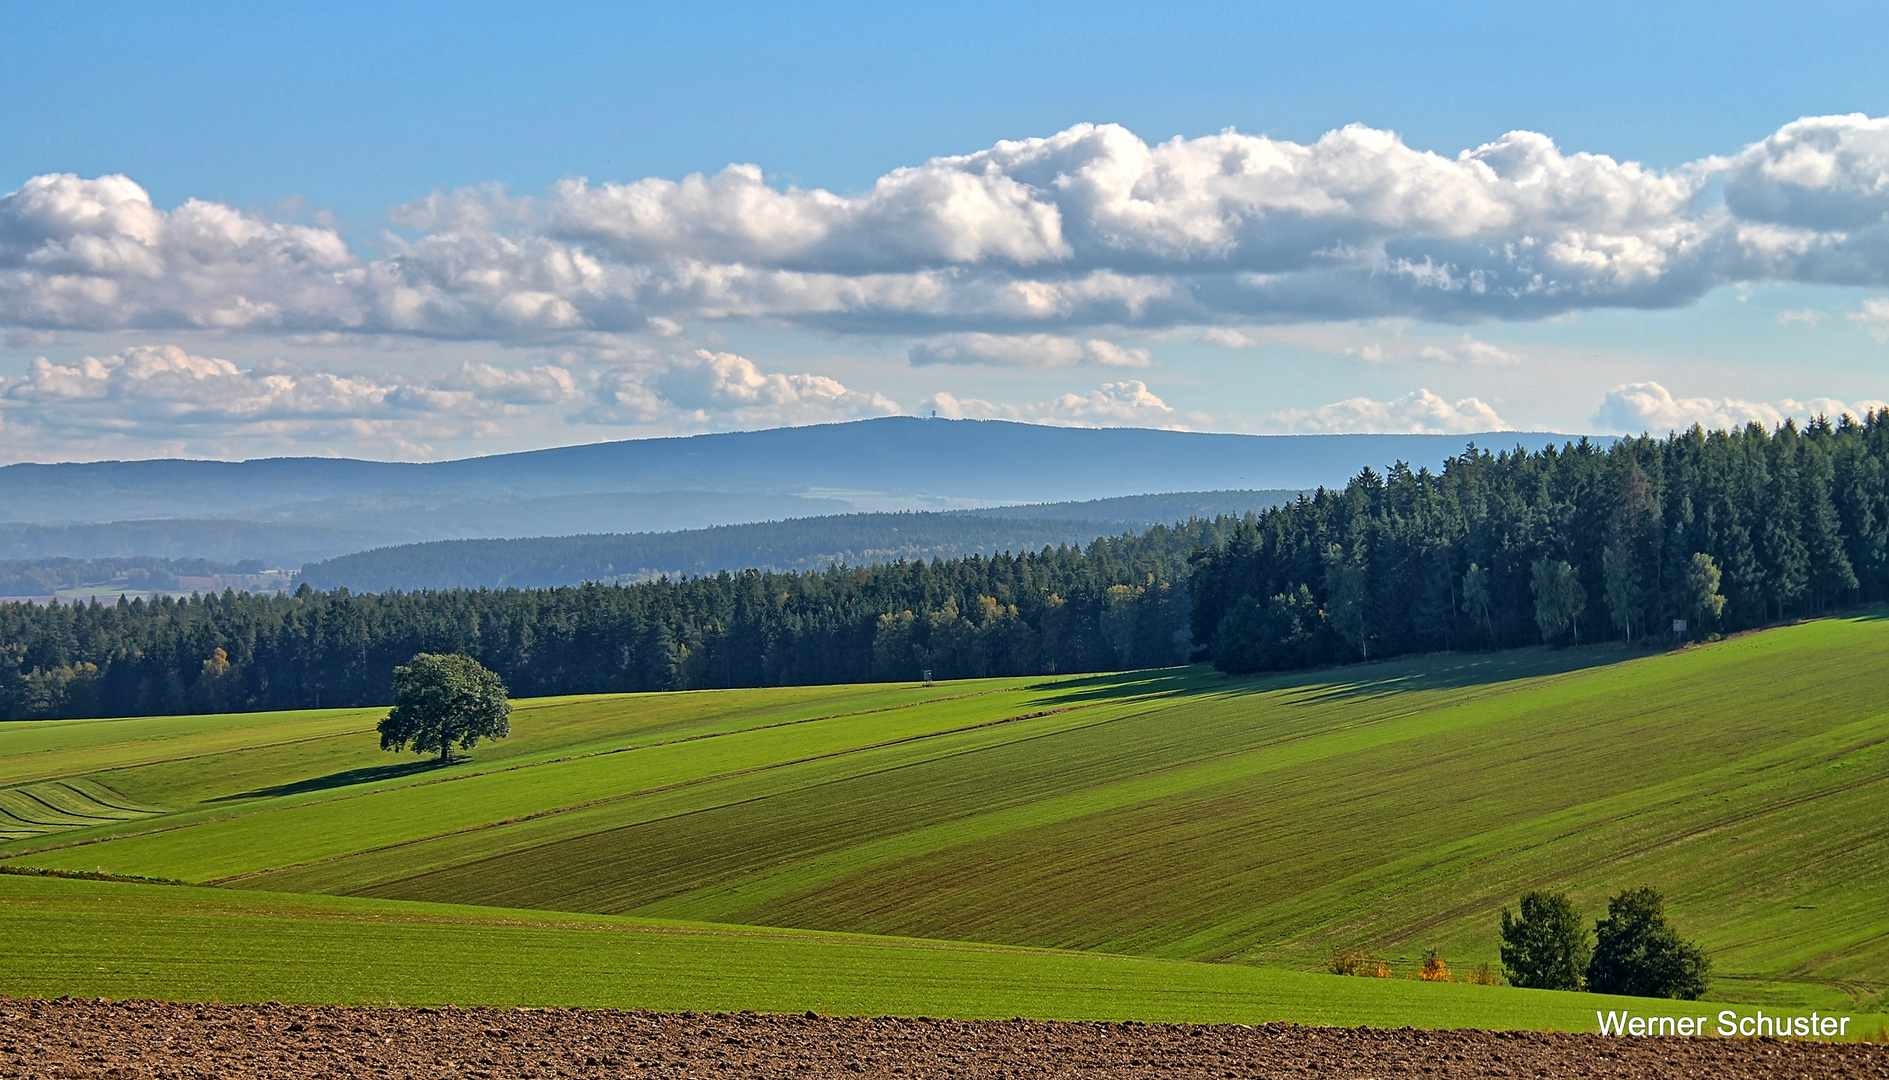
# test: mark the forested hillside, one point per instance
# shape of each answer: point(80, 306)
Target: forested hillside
point(1726, 530)
point(1116, 604)
point(804, 543)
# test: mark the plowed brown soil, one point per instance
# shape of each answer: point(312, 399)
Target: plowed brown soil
point(99, 1039)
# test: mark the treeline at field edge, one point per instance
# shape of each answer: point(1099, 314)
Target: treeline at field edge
point(1117, 604)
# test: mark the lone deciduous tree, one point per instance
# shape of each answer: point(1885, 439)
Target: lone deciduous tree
point(1622, 577)
point(1545, 948)
point(1348, 597)
point(1638, 953)
point(1478, 604)
point(1699, 598)
point(1559, 598)
point(442, 699)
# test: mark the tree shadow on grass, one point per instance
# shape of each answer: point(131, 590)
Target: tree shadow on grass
point(1074, 689)
point(335, 780)
point(1439, 671)
point(1424, 671)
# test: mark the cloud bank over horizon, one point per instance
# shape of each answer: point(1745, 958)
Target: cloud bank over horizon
point(1090, 227)
point(167, 399)
point(1073, 250)
point(1650, 407)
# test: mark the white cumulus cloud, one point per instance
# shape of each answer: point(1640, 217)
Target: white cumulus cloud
point(1069, 234)
point(1874, 317)
point(720, 382)
point(1419, 411)
point(1822, 172)
point(1228, 337)
point(97, 253)
point(721, 389)
point(1650, 407)
point(167, 398)
point(1467, 350)
point(163, 395)
point(1024, 350)
point(1374, 342)
point(1128, 402)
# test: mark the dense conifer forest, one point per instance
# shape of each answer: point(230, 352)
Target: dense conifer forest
point(1118, 603)
point(1726, 530)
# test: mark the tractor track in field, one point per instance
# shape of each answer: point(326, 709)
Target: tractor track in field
point(70, 1039)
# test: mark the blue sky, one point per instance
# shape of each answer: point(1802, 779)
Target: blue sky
point(311, 300)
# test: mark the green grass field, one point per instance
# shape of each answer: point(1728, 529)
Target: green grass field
point(1233, 829)
point(119, 940)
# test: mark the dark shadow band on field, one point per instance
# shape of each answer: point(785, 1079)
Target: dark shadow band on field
point(335, 780)
point(1422, 671)
point(1075, 689)
point(1448, 671)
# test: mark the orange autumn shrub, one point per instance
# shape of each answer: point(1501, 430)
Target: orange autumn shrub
point(1435, 969)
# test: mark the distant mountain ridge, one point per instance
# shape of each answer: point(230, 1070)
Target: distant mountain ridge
point(327, 506)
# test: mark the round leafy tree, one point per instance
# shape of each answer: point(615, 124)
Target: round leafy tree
point(1546, 946)
point(1638, 953)
point(444, 699)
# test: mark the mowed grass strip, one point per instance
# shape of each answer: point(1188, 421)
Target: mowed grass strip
point(87, 938)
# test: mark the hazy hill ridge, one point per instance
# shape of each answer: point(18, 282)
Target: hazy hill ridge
point(302, 509)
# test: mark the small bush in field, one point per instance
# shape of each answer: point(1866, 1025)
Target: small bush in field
point(1483, 975)
point(1347, 962)
point(1435, 969)
point(1355, 962)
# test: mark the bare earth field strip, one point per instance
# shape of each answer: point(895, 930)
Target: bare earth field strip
point(96, 1038)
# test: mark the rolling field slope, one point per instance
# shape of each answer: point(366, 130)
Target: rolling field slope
point(1168, 814)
